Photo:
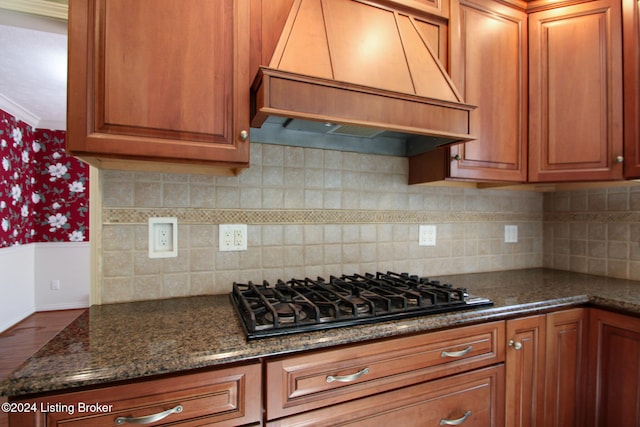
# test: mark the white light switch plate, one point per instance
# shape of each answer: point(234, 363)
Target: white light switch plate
point(427, 235)
point(233, 237)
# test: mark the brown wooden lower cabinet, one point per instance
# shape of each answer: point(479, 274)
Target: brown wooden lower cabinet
point(576, 367)
point(614, 370)
point(525, 371)
point(224, 397)
point(469, 399)
point(316, 379)
point(566, 363)
point(545, 369)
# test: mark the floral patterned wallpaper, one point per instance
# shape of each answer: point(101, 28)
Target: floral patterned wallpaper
point(44, 193)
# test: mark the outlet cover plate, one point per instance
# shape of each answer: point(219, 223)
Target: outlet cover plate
point(427, 235)
point(511, 234)
point(163, 237)
point(233, 237)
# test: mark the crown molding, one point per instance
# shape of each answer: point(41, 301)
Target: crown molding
point(50, 9)
point(18, 112)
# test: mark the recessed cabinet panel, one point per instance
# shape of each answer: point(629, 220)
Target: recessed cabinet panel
point(576, 93)
point(525, 372)
point(168, 75)
point(631, 46)
point(565, 368)
point(159, 81)
point(489, 67)
point(493, 76)
point(614, 371)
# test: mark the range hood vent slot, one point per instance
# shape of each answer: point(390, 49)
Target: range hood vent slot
point(359, 69)
point(356, 131)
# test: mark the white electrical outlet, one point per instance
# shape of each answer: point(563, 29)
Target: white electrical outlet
point(233, 237)
point(163, 237)
point(511, 234)
point(55, 285)
point(427, 235)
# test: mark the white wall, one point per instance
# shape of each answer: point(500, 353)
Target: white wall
point(26, 273)
point(68, 263)
point(17, 292)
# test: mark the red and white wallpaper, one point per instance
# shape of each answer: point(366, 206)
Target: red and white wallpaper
point(44, 193)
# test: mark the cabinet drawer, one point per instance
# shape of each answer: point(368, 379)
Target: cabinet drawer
point(227, 397)
point(471, 399)
point(309, 381)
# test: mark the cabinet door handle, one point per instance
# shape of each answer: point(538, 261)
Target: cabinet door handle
point(148, 419)
point(457, 353)
point(515, 344)
point(456, 422)
point(347, 378)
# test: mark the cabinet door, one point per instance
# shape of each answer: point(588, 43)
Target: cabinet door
point(525, 372)
point(565, 368)
point(631, 58)
point(489, 67)
point(575, 72)
point(159, 80)
point(614, 370)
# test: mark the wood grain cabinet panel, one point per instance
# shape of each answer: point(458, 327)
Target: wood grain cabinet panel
point(308, 381)
point(575, 83)
point(224, 397)
point(469, 399)
point(565, 368)
point(159, 81)
point(631, 64)
point(489, 66)
point(524, 365)
point(614, 370)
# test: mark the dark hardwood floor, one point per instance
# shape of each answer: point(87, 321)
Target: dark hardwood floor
point(26, 337)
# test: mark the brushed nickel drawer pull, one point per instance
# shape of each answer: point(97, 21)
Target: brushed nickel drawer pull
point(457, 353)
point(148, 419)
point(347, 378)
point(456, 422)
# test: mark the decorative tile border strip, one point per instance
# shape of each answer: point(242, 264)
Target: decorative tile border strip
point(599, 217)
point(307, 216)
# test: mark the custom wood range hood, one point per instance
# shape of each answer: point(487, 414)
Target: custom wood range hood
point(360, 74)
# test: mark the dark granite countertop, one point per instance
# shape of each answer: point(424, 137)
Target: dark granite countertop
point(134, 340)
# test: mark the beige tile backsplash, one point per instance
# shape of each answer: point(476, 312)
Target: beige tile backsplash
point(314, 213)
point(594, 231)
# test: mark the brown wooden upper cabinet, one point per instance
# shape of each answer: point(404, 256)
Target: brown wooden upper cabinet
point(631, 64)
point(159, 84)
point(569, 126)
point(489, 68)
point(575, 93)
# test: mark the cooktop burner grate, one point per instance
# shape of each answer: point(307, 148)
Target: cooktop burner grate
point(301, 305)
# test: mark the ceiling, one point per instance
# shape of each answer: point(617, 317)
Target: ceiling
point(33, 61)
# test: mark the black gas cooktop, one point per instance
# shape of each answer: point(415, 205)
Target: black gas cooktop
point(301, 305)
